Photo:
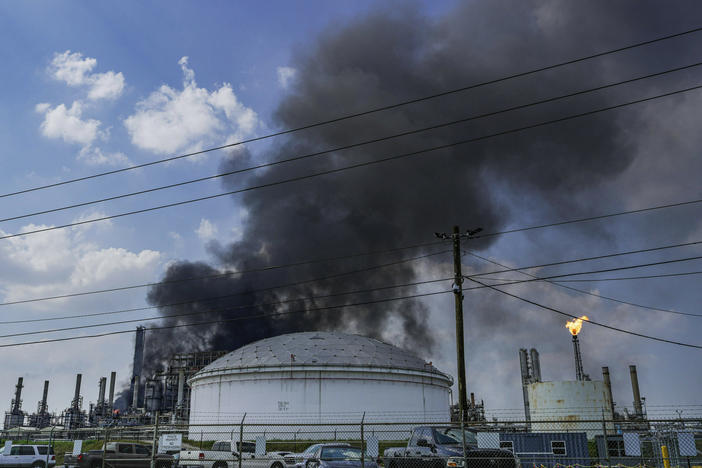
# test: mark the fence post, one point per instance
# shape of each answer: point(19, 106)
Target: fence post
point(48, 449)
point(241, 438)
point(666, 456)
point(153, 443)
point(363, 443)
point(463, 436)
point(104, 449)
point(606, 442)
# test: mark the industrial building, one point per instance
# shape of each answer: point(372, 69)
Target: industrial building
point(569, 405)
point(168, 391)
point(303, 377)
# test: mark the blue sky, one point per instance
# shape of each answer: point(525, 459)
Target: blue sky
point(239, 46)
point(94, 86)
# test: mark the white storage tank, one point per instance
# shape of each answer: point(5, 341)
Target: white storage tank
point(569, 406)
point(316, 377)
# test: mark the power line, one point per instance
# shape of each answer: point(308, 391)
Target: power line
point(584, 259)
point(319, 309)
point(605, 270)
point(234, 319)
point(350, 146)
point(589, 293)
point(382, 160)
point(367, 112)
point(328, 259)
point(621, 330)
point(298, 283)
point(592, 218)
point(241, 272)
point(227, 309)
point(663, 275)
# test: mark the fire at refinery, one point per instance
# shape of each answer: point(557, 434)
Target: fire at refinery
point(576, 325)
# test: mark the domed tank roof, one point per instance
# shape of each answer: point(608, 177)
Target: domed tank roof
point(320, 349)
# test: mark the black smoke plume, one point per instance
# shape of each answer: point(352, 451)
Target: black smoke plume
point(384, 57)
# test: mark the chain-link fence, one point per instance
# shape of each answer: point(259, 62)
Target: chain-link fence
point(257, 443)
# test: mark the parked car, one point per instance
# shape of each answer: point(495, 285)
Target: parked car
point(298, 460)
point(119, 455)
point(441, 447)
point(34, 456)
point(339, 456)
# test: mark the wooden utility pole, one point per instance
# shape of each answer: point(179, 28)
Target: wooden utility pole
point(458, 299)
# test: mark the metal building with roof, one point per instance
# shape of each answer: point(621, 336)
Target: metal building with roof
point(319, 376)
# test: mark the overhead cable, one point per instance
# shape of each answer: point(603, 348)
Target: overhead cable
point(322, 260)
point(604, 270)
point(241, 272)
point(233, 319)
point(383, 160)
point(590, 322)
point(346, 147)
point(230, 308)
point(582, 291)
point(626, 278)
point(586, 259)
point(298, 283)
point(367, 112)
point(327, 308)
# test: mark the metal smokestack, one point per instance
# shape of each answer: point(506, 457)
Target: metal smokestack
point(135, 395)
point(76, 395)
point(113, 377)
point(43, 406)
point(17, 402)
point(181, 388)
point(579, 373)
point(137, 364)
point(535, 365)
point(574, 326)
point(101, 390)
point(608, 387)
point(638, 407)
point(526, 380)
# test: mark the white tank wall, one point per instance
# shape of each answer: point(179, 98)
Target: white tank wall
point(318, 395)
point(570, 403)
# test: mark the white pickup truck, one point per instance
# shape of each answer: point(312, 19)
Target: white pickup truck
point(221, 455)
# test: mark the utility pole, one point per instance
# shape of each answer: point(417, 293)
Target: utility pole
point(458, 299)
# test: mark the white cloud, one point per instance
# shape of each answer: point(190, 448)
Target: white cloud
point(106, 86)
point(94, 156)
point(72, 67)
point(285, 76)
point(67, 124)
point(60, 261)
point(100, 265)
point(75, 70)
point(170, 120)
point(207, 230)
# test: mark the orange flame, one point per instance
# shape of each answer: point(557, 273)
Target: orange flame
point(576, 324)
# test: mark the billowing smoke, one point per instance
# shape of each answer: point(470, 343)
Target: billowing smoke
point(386, 57)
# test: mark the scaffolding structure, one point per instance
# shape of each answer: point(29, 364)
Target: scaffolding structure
point(15, 417)
point(168, 391)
